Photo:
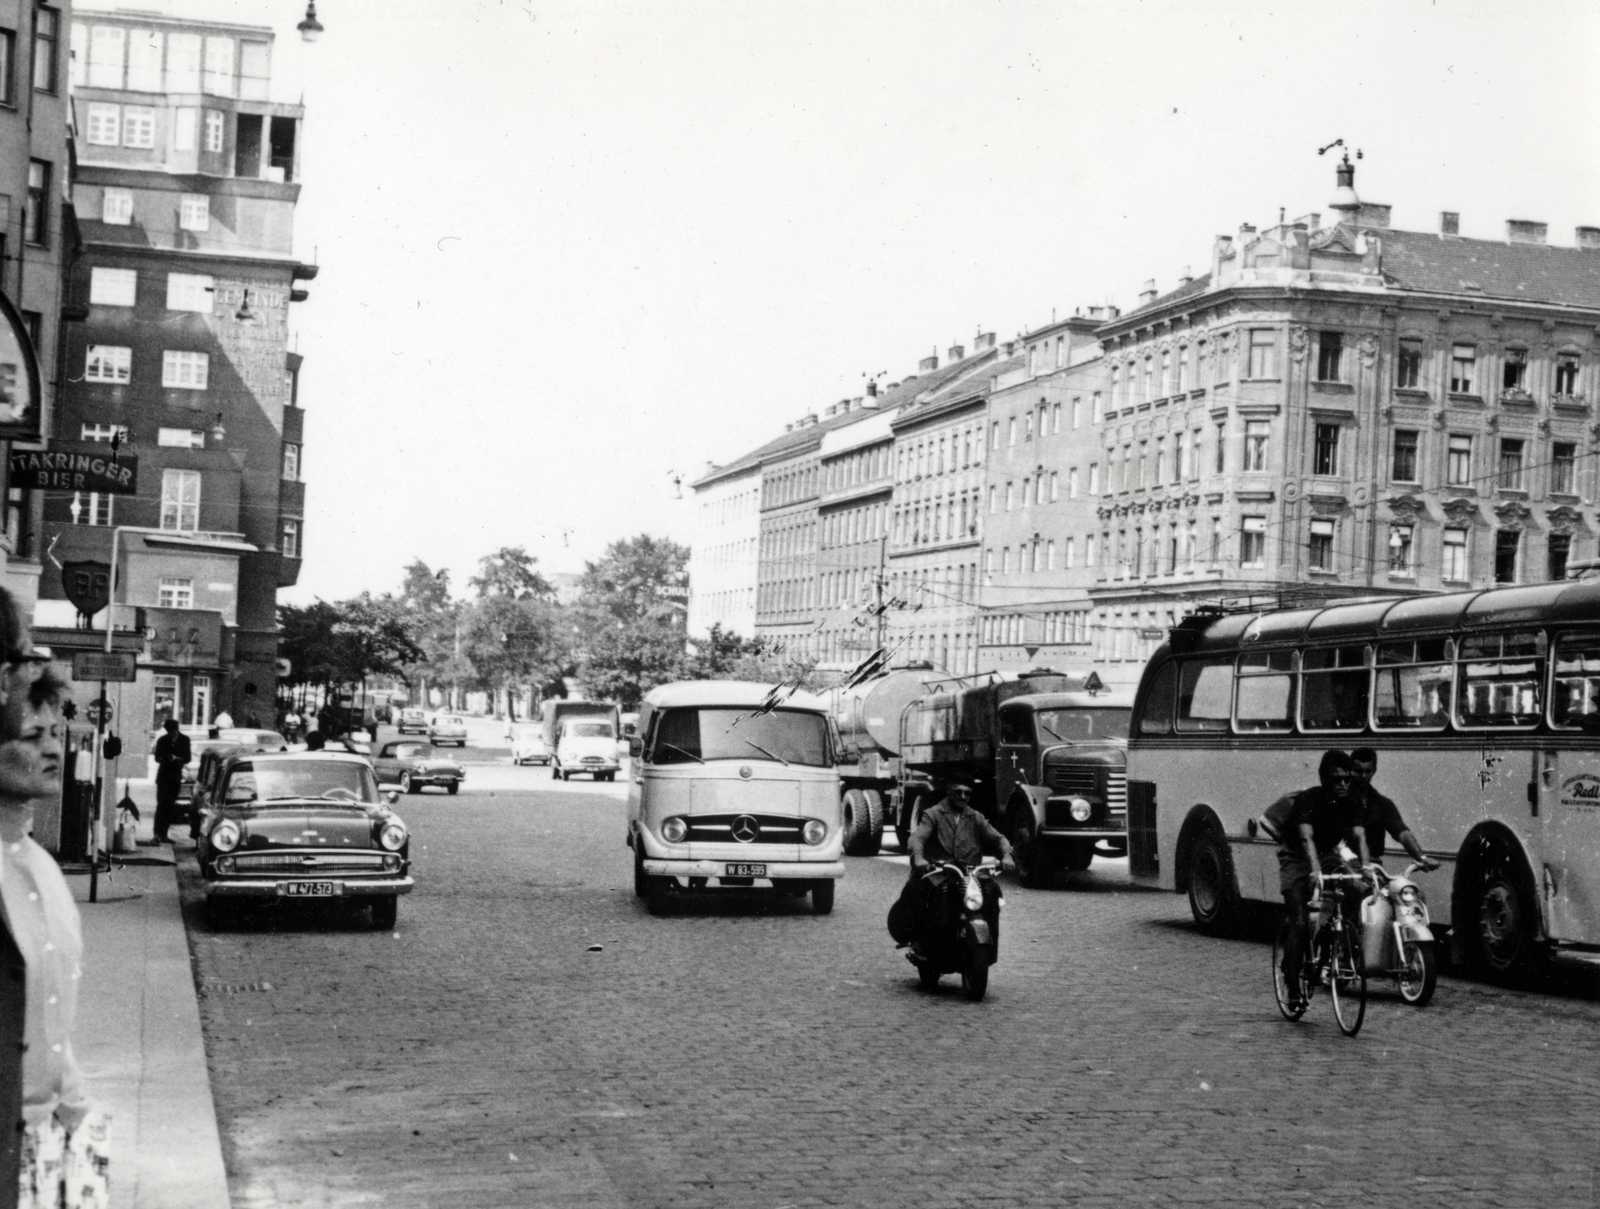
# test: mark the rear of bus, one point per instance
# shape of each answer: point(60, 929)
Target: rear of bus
point(727, 793)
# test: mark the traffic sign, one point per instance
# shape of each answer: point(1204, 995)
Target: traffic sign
point(99, 711)
point(104, 665)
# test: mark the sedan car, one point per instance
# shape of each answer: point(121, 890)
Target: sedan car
point(527, 744)
point(412, 722)
point(447, 728)
point(411, 765)
point(302, 825)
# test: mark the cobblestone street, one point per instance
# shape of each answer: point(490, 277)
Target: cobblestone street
point(745, 1053)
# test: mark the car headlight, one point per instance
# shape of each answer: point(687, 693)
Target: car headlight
point(814, 832)
point(225, 837)
point(675, 831)
point(1081, 810)
point(974, 898)
point(393, 835)
point(1409, 895)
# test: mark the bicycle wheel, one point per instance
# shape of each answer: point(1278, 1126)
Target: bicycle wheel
point(1348, 979)
point(1291, 998)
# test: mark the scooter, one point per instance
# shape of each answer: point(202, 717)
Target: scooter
point(961, 925)
point(1397, 938)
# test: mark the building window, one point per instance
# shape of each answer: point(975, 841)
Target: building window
point(1325, 453)
point(1011, 431)
point(1055, 486)
point(1077, 412)
point(185, 128)
point(1094, 478)
point(291, 464)
point(1253, 542)
point(183, 63)
point(1027, 427)
point(194, 212)
point(103, 432)
point(1255, 444)
point(90, 508)
point(1408, 365)
point(1514, 376)
point(104, 128)
point(1330, 357)
point(108, 363)
point(180, 438)
point(214, 130)
point(1463, 368)
point(116, 207)
point(1563, 467)
point(1506, 544)
point(46, 38)
point(1263, 353)
point(1511, 463)
point(1400, 549)
point(994, 496)
point(144, 60)
point(1454, 553)
point(1222, 448)
point(113, 287)
point(1403, 467)
point(1458, 463)
point(1161, 460)
point(1096, 412)
point(183, 370)
point(1566, 374)
point(289, 541)
point(1072, 484)
point(1321, 545)
point(105, 56)
point(180, 500)
point(1558, 549)
point(1055, 418)
point(1088, 550)
point(175, 593)
point(36, 223)
point(189, 292)
point(138, 126)
point(1010, 494)
point(219, 67)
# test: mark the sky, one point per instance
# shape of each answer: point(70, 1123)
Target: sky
point(572, 253)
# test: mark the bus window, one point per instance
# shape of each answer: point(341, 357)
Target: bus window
point(1501, 675)
point(1575, 693)
point(1333, 689)
point(1265, 692)
point(1205, 690)
point(1155, 717)
point(1413, 685)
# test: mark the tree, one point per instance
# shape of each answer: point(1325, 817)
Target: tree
point(509, 572)
point(511, 634)
point(431, 616)
point(630, 618)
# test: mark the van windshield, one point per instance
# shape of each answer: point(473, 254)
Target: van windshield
point(685, 736)
point(589, 730)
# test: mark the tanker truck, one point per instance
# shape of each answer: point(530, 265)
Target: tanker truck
point(868, 717)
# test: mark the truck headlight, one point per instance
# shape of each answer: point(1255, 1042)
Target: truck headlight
point(393, 835)
point(814, 832)
point(675, 831)
point(225, 837)
point(1081, 810)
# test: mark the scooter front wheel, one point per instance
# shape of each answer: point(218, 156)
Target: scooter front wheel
point(1419, 972)
point(928, 976)
point(975, 978)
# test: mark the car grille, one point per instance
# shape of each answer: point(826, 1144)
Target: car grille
point(770, 828)
point(313, 862)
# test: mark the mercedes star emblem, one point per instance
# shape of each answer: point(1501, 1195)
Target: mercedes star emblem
point(745, 829)
point(745, 771)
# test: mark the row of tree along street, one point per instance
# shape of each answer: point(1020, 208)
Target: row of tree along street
point(512, 638)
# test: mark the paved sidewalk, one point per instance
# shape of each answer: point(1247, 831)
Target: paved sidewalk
point(138, 1037)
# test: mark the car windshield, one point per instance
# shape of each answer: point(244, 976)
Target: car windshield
point(406, 751)
point(335, 780)
point(1075, 725)
point(788, 736)
point(448, 722)
point(590, 730)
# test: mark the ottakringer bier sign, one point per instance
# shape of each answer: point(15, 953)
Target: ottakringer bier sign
point(90, 467)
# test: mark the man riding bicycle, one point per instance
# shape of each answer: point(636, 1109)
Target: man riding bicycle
point(1380, 816)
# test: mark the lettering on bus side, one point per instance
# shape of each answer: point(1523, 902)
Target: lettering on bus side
point(1581, 790)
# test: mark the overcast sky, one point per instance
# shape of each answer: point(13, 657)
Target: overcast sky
point(572, 251)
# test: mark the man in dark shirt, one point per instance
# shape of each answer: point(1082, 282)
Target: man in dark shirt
point(950, 830)
point(172, 753)
point(1380, 816)
point(1321, 818)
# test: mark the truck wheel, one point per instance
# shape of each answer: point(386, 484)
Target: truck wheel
point(853, 809)
point(1032, 869)
point(872, 841)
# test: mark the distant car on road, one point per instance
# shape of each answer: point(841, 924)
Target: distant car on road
point(412, 722)
point(527, 743)
point(447, 728)
point(585, 744)
point(411, 765)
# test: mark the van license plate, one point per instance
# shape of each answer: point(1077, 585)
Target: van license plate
point(309, 890)
point(746, 871)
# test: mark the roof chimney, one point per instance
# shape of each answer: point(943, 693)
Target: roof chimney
point(1373, 214)
point(872, 388)
point(956, 353)
point(1245, 229)
point(928, 363)
point(1184, 278)
point(1148, 294)
point(1449, 222)
point(1345, 203)
point(1589, 238)
point(1521, 230)
point(982, 341)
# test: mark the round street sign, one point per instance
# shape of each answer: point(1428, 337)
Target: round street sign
point(99, 711)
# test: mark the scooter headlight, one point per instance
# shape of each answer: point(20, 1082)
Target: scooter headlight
point(1410, 896)
point(1081, 810)
point(675, 830)
point(974, 895)
point(225, 838)
point(393, 835)
point(814, 832)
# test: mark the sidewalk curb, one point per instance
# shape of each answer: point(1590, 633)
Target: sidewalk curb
point(140, 1045)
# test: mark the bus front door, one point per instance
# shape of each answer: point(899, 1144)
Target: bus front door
point(1567, 784)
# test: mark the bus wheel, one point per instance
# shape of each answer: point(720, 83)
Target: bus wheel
point(872, 839)
point(1506, 948)
point(1213, 898)
point(854, 810)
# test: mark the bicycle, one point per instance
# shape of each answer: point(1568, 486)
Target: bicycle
point(1335, 960)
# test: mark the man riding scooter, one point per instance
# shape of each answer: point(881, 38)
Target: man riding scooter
point(950, 831)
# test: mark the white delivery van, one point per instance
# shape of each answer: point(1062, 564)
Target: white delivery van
point(727, 793)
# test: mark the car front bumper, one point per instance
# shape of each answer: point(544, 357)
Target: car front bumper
point(274, 887)
point(777, 871)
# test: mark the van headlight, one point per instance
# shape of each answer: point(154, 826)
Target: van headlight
point(814, 832)
point(1081, 810)
point(225, 837)
point(393, 835)
point(675, 830)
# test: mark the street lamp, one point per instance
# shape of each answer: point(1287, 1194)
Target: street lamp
point(310, 29)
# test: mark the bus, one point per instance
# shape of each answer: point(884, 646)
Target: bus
point(1483, 707)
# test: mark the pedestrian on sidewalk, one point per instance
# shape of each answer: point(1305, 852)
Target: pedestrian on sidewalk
point(172, 753)
point(65, 1142)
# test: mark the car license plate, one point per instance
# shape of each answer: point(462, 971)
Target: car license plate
point(309, 889)
point(746, 871)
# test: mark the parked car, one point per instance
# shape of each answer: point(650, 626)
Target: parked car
point(301, 825)
point(447, 728)
point(411, 765)
point(203, 739)
point(527, 743)
point(412, 722)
